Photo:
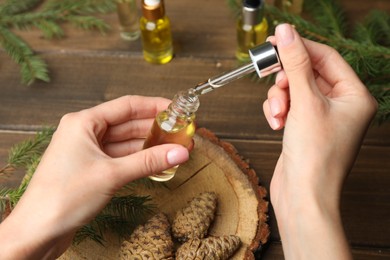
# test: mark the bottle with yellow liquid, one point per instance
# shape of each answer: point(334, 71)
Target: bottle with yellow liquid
point(174, 125)
point(155, 32)
point(252, 28)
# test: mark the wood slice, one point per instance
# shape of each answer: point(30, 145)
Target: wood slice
point(216, 166)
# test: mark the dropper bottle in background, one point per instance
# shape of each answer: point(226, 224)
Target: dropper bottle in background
point(128, 19)
point(156, 32)
point(176, 125)
point(252, 28)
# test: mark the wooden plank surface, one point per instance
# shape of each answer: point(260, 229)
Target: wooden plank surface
point(87, 68)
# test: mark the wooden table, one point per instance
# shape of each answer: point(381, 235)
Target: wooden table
point(87, 68)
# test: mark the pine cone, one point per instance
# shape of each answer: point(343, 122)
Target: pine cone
point(212, 248)
point(150, 241)
point(194, 220)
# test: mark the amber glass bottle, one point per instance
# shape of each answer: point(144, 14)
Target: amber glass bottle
point(174, 125)
point(156, 32)
point(252, 28)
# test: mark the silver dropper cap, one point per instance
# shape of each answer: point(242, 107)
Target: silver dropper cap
point(265, 58)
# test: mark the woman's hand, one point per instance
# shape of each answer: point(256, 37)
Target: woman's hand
point(93, 153)
point(325, 110)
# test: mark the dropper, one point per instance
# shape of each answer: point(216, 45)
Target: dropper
point(265, 61)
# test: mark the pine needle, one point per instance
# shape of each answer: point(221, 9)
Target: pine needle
point(328, 15)
point(21, 155)
point(11, 7)
point(51, 14)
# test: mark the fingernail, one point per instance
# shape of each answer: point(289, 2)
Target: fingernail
point(275, 106)
point(177, 156)
point(284, 34)
point(279, 76)
point(275, 123)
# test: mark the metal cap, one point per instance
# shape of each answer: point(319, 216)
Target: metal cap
point(265, 59)
point(252, 12)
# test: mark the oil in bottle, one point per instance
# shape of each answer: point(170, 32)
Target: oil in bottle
point(252, 28)
point(156, 32)
point(174, 125)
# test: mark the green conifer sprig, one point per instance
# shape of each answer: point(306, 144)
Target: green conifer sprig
point(11, 7)
point(32, 66)
point(121, 215)
point(47, 16)
point(365, 46)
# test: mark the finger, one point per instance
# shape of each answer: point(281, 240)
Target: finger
point(274, 123)
point(271, 39)
point(191, 146)
point(281, 79)
point(278, 101)
point(128, 107)
point(296, 62)
point(329, 63)
point(128, 130)
point(120, 149)
point(147, 162)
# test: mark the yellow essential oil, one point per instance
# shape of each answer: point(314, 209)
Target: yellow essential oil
point(128, 19)
point(156, 32)
point(252, 28)
point(174, 125)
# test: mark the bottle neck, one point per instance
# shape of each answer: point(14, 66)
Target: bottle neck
point(252, 15)
point(153, 12)
point(184, 104)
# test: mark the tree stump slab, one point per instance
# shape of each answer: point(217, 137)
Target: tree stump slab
point(216, 166)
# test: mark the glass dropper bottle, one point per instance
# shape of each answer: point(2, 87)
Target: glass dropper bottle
point(176, 124)
point(265, 61)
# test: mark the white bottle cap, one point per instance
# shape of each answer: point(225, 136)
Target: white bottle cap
point(152, 2)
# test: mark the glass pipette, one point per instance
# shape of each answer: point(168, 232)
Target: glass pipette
point(265, 61)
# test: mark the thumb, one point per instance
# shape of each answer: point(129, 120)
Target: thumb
point(149, 161)
point(296, 61)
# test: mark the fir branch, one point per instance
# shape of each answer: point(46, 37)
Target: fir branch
point(4, 199)
point(85, 7)
point(378, 25)
point(23, 14)
point(26, 21)
point(328, 15)
point(50, 29)
point(383, 114)
point(88, 231)
point(21, 155)
point(89, 23)
point(32, 66)
point(11, 7)
point(121, 216)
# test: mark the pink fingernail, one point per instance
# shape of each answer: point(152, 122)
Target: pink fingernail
point(275, 106)
point(284, 34)
point(279, 76)
point(177, 156)
point(275, 123)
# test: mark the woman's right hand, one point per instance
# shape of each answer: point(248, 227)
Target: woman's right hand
point(325, 111)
